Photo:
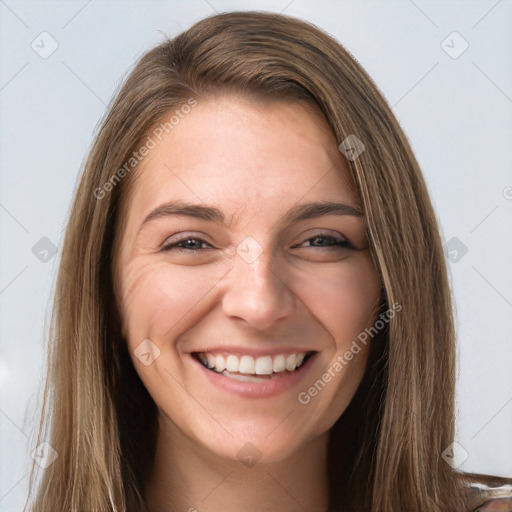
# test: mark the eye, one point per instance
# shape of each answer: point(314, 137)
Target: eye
point(322, 242)
point(187, 245)
point(327, 242)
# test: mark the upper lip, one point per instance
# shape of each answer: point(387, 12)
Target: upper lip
point(254, 352)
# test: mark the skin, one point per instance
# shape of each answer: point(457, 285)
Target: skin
point(254, 160)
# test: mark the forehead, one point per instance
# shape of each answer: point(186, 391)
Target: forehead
point(243, 153)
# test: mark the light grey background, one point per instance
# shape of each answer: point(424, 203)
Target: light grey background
point(457, 113)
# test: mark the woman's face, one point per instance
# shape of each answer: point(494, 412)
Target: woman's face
point(229, 259)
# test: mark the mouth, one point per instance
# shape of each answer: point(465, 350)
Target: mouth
point(246, 368)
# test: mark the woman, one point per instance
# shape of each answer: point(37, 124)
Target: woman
point(252, 310)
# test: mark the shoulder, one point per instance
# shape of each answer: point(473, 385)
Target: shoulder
point(488, 493)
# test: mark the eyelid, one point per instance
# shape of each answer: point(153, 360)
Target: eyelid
point(180, 235)
point(328, 233)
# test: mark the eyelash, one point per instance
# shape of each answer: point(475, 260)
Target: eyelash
point(175, 245)
point(338, 243)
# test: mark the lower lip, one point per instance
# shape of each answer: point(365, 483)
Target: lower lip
point(279, 383)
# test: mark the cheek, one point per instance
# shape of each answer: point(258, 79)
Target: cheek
point(158, 297)
point(345, 302)
point(344, 297)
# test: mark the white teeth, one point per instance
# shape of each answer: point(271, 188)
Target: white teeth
point(248, 365)
point(263, 365)
point(279, 364)
point(220, 363)
point(210, 359)
point(291, 362)
point(232, 363)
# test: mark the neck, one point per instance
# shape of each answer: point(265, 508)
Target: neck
point(188, 478)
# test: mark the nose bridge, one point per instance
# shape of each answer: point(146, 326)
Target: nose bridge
point(257, 291)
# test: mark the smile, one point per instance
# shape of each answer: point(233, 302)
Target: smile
point(248, 365)
point(264, 375)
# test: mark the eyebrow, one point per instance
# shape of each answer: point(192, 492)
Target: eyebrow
point(211, 213)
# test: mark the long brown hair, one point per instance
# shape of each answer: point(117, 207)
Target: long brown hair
point(385, 450)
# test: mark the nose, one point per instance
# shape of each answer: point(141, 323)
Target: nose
point(257, 293)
